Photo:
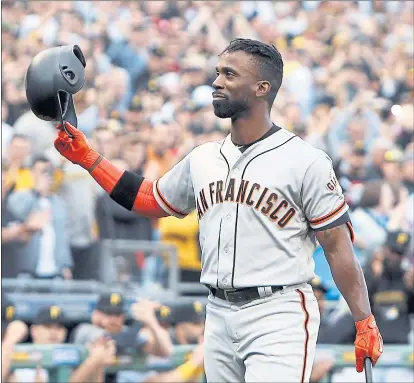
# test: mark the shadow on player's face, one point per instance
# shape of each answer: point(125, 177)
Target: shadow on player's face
point(235, 85)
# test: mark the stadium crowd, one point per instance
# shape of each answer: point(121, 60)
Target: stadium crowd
point(348, 89)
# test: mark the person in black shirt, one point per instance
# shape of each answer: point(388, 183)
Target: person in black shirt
point(390, 285)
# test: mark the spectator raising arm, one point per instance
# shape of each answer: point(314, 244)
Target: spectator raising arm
point(101, 353)
point(16, 332)
point(159, 341)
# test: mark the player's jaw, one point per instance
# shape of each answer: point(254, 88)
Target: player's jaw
point(225, 107)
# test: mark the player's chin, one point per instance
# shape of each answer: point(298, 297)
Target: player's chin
point(221, 110)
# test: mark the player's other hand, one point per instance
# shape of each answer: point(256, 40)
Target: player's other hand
point(77, 149)
point(368, 342)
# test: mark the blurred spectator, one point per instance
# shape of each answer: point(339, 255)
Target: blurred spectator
point(370, 219)
point(160, 153)
point(378, 150)
point(7, 131)
point(48, 328)
point(322, 363)
point(337, 327)
point(14, 234)
point(12, 332)
point(18, 176)
point(116, 222)
point(390, 282)
point(186, 326)
point(354, 169)
point(135, 156)
point(41, 137)
point(79, 191)
point(190, 371)
point(47, 253)
point(408, 170)
point(101, 353)
point(104, 140)
point(393, 176)
point(189, 321)
point(183, 234)
point(144, 335)
point(405, 124)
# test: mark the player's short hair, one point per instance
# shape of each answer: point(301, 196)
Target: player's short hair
point(267, 58)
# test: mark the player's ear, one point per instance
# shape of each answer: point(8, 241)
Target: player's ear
point(262, 88)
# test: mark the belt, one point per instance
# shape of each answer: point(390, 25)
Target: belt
point(240, 295)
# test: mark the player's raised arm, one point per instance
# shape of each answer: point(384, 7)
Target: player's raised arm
point(126, 188)
point(327, 213)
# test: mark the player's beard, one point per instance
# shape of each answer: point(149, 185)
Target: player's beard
point(225, 108)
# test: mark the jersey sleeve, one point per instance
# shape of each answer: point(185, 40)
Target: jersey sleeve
point(174, 191)
point(322, 198)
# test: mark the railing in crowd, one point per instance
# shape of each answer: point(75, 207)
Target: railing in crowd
point(61, 360)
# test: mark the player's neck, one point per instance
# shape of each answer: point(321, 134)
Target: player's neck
point(246, 130)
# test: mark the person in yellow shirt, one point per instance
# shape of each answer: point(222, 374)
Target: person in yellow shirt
point(17, 175)
point(183, 233)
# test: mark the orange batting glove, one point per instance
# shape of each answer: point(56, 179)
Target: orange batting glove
point(77, 149)
point(368, 342)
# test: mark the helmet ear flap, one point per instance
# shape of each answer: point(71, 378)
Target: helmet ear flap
point(68, 75)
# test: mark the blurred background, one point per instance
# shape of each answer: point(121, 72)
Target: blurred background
point(68, 249)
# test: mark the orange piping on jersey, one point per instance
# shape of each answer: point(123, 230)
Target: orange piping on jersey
point(305, 325)
point(328, 216)
point(145, 202)
point(351, 231)
point(166, 203)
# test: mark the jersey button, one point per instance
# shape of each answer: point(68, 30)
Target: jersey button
point(226, 249)
point(228, 217)
point(224, 281)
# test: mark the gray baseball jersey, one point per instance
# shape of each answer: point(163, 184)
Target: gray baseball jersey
point(257, 209)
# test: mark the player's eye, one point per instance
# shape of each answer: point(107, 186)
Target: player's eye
point(229, 74)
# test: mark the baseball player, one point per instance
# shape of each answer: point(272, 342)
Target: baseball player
point(264, 198)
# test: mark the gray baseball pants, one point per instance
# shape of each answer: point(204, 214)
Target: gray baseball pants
point(271, 339)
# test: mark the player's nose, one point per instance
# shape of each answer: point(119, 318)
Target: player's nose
point(217, 83)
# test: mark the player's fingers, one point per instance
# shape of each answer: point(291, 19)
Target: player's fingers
point(61, 145)
point(72, 130)
point(64, 136)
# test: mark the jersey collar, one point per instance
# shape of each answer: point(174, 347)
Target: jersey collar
point(233, 155)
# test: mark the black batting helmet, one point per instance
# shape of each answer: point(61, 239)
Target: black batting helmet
point(53, 77)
